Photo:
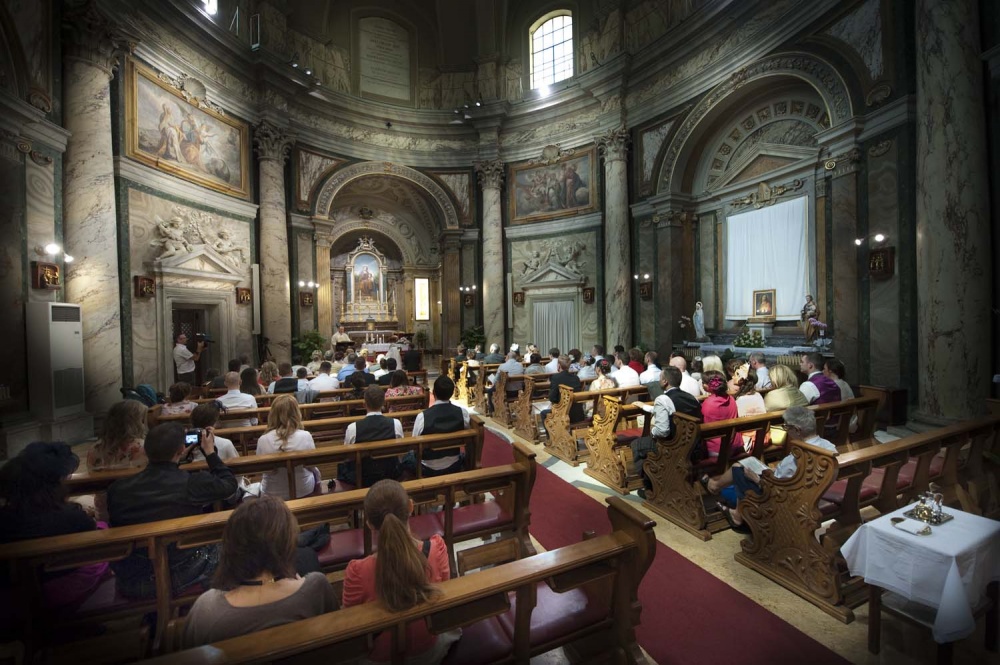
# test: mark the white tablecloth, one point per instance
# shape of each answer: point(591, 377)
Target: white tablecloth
point(947, 570)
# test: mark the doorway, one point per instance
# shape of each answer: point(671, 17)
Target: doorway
point(192, 322)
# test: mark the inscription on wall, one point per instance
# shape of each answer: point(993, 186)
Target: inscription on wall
point(384, 54)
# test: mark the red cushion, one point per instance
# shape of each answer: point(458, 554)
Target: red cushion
point(483, 642)
point(424, 526)
point(627, 435)
point(937, 465)
point(906, 473)
point(343, 546)
point(837, 490)
point(478, 517)
point(556, 615)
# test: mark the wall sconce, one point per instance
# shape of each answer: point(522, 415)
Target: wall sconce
point(645, 276)
point(467, 289)
point(307, 285)
point(52, 251)
point(878, 237)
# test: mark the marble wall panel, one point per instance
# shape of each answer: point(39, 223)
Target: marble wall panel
point(844, 316)
point(39, 201)
point(467, 274)
point(645, 264)
point(13, 273)
point(304, 260)
point(706, 267)
point(883, 217)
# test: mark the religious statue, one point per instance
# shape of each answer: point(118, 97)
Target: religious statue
point(224, 246)
point(698, 321)
point(532, 263)
point(810, 312)
point(570, 259)
point(171, 238)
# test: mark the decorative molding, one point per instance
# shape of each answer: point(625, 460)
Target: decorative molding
point(845, 163)
point(40, 159)
point(765, 195)
point(613, 144)
point(271, 141)
point(551, 154)
point(880, 148)
point(182, 84)
point(93, 38)
point(491, 172)
point(878, 94)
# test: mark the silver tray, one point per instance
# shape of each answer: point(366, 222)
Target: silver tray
point(934, 521)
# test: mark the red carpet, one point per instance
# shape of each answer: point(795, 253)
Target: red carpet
point(688, 615)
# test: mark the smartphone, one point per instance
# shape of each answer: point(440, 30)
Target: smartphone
point(192, 437)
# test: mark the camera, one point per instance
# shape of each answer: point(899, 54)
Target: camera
point(203, 337)
point(192, 437)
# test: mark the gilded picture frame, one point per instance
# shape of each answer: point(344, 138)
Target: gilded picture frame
point(179, 135)
point(560, 188)
point(764, 305)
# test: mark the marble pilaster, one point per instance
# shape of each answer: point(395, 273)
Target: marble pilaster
point(706, 276)
point(451, 301)
point(670, 279)
point(844, 314)
point(91, 232)
point(952, 215)
point(304, 263)
point(324, 292)
point(493, 298)
point(273, 146)
point(617, 290)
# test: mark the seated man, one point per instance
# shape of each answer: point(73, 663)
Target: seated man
point(513, 367)
point(652, 372)
point(323, 380)
point(220, 381)
point(758, 365)
point(624, 374)
point(373, 427)
point(286, 381)
point(206, 417)
point(553, 365)
point(818, 388)
point(360, 365)
point(349, 367)
point(534, 365)
point(390, 367)
point(800, 423)
point(689, 384)
point(164, 491)
point(459, 359)
point(567, 378)
point(235, 400)
point(303, 383)
point(442, 417)
point(493, 357)
point(412, 360)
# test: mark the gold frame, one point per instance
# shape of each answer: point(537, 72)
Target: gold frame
point(133, 70)
point(758, 296)
point(593, 185)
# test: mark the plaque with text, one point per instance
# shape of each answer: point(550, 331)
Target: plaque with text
point(384, 59)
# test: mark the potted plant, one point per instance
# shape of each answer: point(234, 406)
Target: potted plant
point(308, 342)
point(471, 337)
point(420, 339)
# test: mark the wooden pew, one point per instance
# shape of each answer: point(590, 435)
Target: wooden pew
point(477, 391)
point(327, 458)
point(784, 518)
point(676, 491)
point(461, 383)
point(508, 514)
point(522, 414)
point(610, 459)
point(501, 400)
point(563, 435)
point(508, 613)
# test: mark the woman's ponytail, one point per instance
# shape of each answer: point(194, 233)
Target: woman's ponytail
point(401, 570)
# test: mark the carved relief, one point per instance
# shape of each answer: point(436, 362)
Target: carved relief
point(765, 195)
point(613, 144)
point(271, 141)
point(880, 148)
point(490, 173)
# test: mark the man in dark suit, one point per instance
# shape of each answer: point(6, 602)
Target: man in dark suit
point(564, 378)
point(390, 367)
point(412, 360)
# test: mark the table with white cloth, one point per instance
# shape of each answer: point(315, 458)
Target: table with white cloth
point(947, 571)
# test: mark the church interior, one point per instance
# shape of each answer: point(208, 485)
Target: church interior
point(805, 184)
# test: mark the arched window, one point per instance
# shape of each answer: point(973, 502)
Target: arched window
point(551, 48)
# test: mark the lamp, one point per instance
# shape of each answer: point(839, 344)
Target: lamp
point(52, 251)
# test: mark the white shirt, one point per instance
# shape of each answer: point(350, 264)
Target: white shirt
point(845, 394)
point(690, 385)
point(786, 467)
point(651, 374)
point(276, 481)
point(443, 462)
point(626, 376)
point(182, 358)
point(224, 447)
point(351, 435)
point(552, 366)
point(235, 400)
point(763, 378)
point(587, 372)
point(324, 382)
point(809, 389)
point(663, 407)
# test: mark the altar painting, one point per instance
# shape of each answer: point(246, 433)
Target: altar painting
point(553, 190)
point(366, 278)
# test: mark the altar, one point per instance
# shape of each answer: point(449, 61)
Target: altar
point(368, 313)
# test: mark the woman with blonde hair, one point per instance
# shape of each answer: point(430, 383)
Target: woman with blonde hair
point(402, 574)
point(784, 391)
point(268, 374)
point(285, 434)
point(711, 364)
point(120, 445)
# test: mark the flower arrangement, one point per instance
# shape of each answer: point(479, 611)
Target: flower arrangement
point(749, 339)
point(817, 324)
point(684, 321)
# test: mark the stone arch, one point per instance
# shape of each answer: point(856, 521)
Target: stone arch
point(329, 188)
point(377, 227)
point(818, 73)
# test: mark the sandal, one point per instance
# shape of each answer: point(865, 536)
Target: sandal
point(704, 480)
point(738, 528)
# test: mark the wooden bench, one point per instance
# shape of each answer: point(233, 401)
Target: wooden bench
point(676, 492)
point(327, 458)
point(610, 459)
point(508, 515)
point(585, 594)
point(522, 412)
point(477, 390)
point(563, 435)
point(502, 399)
point(784, 518)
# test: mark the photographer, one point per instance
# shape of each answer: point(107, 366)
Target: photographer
point(184, 360)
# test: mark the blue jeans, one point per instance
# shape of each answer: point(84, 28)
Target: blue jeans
point(741, 485)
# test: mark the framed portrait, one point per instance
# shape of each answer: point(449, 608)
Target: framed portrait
point(882, 262)
point(588, 295)
point(568, 186)
point(763, 304)
point(306, 298)
point(45, 276)
point(518, 298)
point(169, 132)
point(243, 296)
point(646, 290)
point(469, 299)
point(144, 287)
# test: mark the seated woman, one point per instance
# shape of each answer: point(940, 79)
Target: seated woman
point(635, 356)
point(285, 434)
point(399, 386)
point(120, 445)
point(800, 423)
point(749, 402)
point(314, 361)
point(784, 390)
point(402, 574)
point(604, 381)
point(268, 374)
point(711, 364)
point(35, 506)
point(179, 402)
point(249, 383)
point(719, 405)
point(255, 584)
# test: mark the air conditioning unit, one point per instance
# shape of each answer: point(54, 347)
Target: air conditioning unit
point(55, 359)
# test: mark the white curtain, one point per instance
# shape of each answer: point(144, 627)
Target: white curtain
point(768, 249)
point(555, 325)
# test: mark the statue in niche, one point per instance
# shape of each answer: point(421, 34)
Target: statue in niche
point(809, 314)
point(698, 321)
point(171, 239)
point(224, 246)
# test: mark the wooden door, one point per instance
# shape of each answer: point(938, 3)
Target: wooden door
point(191, 322)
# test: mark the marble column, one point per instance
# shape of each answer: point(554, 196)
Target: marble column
point(953, 218)
point(493, 298)
point(91, 228)
point(272, 149)
point(617, 250)
point(672, 284)
point(324, 292)
point(844, 312)
point(451, 300)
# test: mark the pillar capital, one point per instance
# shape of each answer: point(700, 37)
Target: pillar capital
point(93, 38)
point(613, 144)
point(271, 141)
point(491, 173)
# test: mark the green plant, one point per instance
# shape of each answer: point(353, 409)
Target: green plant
point(749, 340)
point(473, 336)
point(308, 342)
point(420, 338)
